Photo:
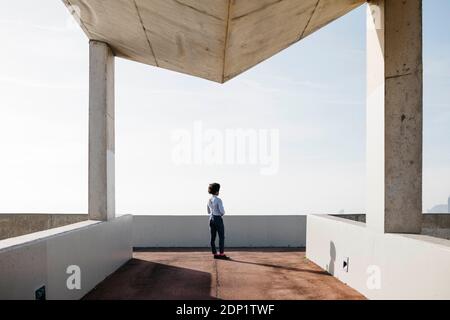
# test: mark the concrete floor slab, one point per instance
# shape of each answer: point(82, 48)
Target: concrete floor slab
point(260, 274)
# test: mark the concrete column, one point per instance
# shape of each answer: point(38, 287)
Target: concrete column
point(101, 132)
point(394, 116)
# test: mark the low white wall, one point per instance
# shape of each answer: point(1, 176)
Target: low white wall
point(31, 261)
point(240, 231)
point(408, 266)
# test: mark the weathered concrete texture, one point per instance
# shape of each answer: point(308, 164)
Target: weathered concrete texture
point(194, 274)
point(354, 217)
point(14, 225)
point(433, 224)
point(394, 116)
point(436, 225)
point(101, 133)
point(211, 39)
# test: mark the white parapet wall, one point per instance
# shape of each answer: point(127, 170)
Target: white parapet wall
point(380, 266)
point(240, 231)
point(30, 262)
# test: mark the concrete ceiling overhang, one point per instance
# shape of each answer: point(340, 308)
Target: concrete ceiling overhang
point(210, 39)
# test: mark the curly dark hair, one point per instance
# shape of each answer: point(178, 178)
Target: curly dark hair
point(213, 188)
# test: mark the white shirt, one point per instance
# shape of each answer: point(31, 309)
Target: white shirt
point(215, 206)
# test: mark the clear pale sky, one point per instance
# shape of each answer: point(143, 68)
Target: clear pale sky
point(313, 93)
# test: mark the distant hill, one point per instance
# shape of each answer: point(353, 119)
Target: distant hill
point(440, 208)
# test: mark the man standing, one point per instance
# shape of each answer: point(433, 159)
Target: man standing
point(216, 226)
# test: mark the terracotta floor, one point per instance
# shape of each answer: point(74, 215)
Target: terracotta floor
point(192, 274)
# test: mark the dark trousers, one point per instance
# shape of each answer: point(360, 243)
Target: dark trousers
point(216, 227)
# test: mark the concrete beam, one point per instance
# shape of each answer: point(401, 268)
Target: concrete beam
point(394, 116)
point(101, 132)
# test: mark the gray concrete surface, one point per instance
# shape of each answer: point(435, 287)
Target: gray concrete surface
point(436, 225)
point(14, 225)
point(394, 116)
point(433, 224)
point(101, 132)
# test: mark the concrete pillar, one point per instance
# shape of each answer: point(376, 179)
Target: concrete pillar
point(394, 116)
point(101, 132)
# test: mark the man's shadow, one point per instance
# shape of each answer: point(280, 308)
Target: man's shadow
point(278, 267)
point(330, 266)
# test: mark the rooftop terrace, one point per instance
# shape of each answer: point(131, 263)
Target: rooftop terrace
point(252, 274)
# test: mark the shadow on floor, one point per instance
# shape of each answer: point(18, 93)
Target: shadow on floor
point(280, 267)
point(145, 280)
